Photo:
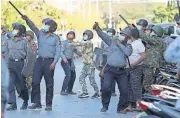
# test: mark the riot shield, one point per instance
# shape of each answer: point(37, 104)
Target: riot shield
point(97, 56)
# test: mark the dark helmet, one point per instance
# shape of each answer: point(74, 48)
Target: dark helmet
point(112, 31)
point(20, 27)
point(142, 22)
point(89, 33)
point(30, 33)
point(71, 32)
point(51, 23)
point(126, 31)
point(149, 27)
point(177, 18)
point(158, 30)
point(169, 30)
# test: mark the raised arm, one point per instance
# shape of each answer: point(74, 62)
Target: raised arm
point(104, 37)
point(32, 26)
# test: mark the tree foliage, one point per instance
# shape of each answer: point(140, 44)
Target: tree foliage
point(164, 13)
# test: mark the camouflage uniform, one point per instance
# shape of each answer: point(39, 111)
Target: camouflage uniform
point(88, 67)
point(29, 79)
point(154, 52)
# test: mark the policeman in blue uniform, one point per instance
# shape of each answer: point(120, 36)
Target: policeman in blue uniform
point(17, 48)
point(49, 50)
point(115, 70)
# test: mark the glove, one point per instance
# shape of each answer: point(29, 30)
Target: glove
point(96, 26)
point(24, 17)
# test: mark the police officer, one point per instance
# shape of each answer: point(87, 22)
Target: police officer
point(67, 63)
point(115, 69)
point(17, 48)
point(111, 32)
point(49, 50)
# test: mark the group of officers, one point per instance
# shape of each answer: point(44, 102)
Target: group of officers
point(128, 56)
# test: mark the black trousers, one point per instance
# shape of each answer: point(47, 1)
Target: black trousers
point(42, 68)
point(102, 79)
point(70, 76)
point(18, 80)
point(113, 87)
point(120, 75)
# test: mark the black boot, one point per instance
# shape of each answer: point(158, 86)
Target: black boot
point(48, 108)
point(12, 107)
point(24, 106)
point(35, 106)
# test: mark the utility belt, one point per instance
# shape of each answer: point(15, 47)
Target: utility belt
point(116, 68)
point(16, 60)
point(46, 58)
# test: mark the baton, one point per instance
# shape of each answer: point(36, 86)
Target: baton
point(16, 8)
point(126, 21)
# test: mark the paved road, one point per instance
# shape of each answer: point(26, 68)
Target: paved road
point(69, 106)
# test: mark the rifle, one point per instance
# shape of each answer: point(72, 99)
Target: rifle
point(16, 8)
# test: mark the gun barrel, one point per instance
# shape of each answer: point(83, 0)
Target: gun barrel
point(15, 8)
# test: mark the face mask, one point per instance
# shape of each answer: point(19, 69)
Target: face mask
point(109, 34)
point(178, 31)
point(152, 34)
point(120, 37)
point(14, 32)
point(45, 28)
point(85, 38)
point(129, 42)
point(138, 27)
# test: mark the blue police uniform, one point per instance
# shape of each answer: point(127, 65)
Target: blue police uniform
point(17, 51)
point(115, 70)
point(49, 50)
point(68, 51)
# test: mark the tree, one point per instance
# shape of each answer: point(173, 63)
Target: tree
point(164, 13)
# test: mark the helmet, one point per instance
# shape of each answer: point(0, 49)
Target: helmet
point(126, 31)
point(142, 22)
point(89, 33)
point(177, 18)
point(158, 30)
point(71, 32)
point(20, 27)
point(135, 33)
point(111, 30)
point(30, 33)
point(45, 20)
point(169, 30)
point(149, 27)
point(51, 23)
